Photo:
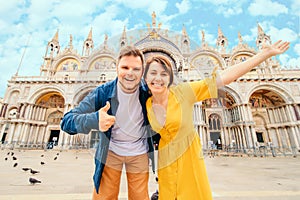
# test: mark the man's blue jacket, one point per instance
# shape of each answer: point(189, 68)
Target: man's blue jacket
point(85, 117)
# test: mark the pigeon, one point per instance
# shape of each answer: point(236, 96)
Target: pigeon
point(14, 158)
point(6, 158)
point(55, 158)
point(25, 169)
point(155, 195)
point(42, 163)
point(16, 164)
point(12, 153)
point(34, 181)
point(42, 155)
point(34, 171)
point(156, 179)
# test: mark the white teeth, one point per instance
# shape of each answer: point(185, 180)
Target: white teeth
point(129, 79)
point(157, 84)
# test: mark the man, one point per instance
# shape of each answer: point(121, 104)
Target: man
point(117, 109)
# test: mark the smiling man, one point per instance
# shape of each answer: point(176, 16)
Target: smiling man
point(124, 133)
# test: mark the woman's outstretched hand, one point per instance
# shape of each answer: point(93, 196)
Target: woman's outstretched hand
point(278, 47)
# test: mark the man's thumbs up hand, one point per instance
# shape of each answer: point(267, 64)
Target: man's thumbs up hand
point(105, 120)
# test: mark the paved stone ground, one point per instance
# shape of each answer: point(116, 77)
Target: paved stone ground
point(69, 177)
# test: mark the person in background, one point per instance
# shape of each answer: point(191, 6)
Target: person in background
point(117, 110)
point(181, 169)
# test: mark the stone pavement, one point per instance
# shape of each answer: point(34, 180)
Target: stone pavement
point(69, 177)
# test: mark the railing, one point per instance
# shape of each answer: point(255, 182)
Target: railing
point(262, 151)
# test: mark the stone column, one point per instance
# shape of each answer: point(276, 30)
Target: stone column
point(253, 133)
point(293, 138)
point(34, 114)
point(291, 111)
point(270, 115)
point(244, 115)
point(29, 111)
point(24, 109)
point(243, 137)
point(11, 133)
point(30, 134)
point(249, 138)
point(38, 113)
point(44, 114)
point(279, 139)
point(17, 134)
point(35, 141)
point(2, 110)
point(287, 137)
point(42, 137)
point(275, 114)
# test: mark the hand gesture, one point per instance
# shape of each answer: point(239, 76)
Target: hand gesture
point(105, 120)
point(278, 47)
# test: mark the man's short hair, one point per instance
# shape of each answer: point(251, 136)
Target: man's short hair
point(131, 51)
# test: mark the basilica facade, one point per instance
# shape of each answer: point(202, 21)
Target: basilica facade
point(260, 109)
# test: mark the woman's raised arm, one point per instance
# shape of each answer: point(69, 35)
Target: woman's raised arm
point(238, 70)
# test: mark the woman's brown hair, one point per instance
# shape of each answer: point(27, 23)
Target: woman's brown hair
point(164, 61)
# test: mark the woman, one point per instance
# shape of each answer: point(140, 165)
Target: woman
point(181, 168)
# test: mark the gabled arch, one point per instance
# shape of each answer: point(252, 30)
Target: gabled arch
point(69, 62)
point(9, 93)
point(233, 93)
point(213, 55)
point(81, 92)
point(44, 90)
point(240, 56)
point(288, 98)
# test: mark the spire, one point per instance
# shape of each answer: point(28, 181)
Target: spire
point(262, 37)
point(184, 30)
point(90, 36)
point(54, 46)
point(71, 42)
point(220, 32)
point(204, 43)
point(260, 30)
point(240, 38)
point(185, 41)
point(88, 44)
point(222, 41)
point(55, 37)
point(153, 20)
point(123, 39)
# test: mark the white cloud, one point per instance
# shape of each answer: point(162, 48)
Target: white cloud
point(229, 11)
point(284, 34)
point(295, 6)
point(149, 6)
point(297, 49)
point(106, 22)
point(226, 8)
point(267, 8)
point(218, 2)
point(42, 18)
point(288, 62)
point(183, 7)
point(209, 38)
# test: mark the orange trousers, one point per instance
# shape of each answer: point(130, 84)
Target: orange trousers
point(137, 172)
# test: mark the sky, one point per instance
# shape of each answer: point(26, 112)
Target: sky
point(28, 25)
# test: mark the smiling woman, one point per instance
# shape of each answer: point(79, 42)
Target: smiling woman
point(170, 114)
point(181, 167)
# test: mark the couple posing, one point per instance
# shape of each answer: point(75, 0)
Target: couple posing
point(123, 110)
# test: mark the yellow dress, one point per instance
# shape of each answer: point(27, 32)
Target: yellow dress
point(181, 168)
